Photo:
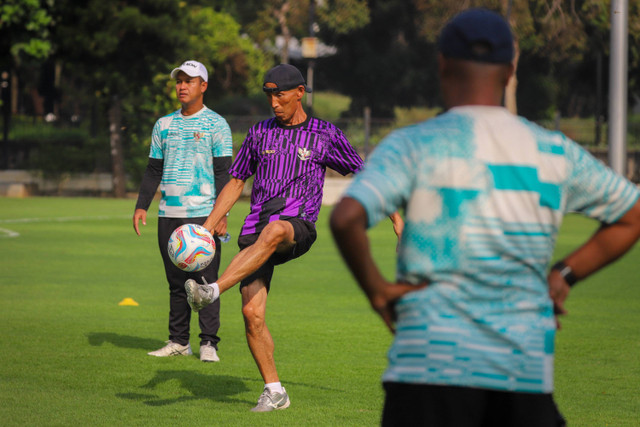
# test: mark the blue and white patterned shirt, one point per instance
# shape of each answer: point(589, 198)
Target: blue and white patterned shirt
point(484, 193)
point(187, 146)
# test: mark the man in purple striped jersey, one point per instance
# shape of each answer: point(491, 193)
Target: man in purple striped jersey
point(288, 156)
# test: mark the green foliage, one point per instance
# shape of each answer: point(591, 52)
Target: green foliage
point(56, 151)
point(128, 61)
point(292, 16)
point(386, 55)
point(538, 97)
point(24, 28)
point(235, 64)
point(141, 39)
point(57, 158)
point(385, 64)
point(343, 16)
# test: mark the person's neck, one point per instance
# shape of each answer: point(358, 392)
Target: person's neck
point(474, 102)
point(472, 96)
point(190, 109)
point(298, 117)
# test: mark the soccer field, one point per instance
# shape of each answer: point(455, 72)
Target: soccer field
point(72, 356)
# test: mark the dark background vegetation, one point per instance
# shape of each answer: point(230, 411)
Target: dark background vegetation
point(84, 81)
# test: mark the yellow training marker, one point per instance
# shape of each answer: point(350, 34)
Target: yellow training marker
point(128, 301)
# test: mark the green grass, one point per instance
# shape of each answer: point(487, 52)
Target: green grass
point(72, 356)
point(597, 369)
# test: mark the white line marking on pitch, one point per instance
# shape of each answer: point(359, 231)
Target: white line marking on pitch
point(10, 233)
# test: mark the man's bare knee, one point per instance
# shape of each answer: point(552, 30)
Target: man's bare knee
point(277, 233)
point(253, 318)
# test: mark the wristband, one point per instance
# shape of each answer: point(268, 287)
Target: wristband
point(566, 272)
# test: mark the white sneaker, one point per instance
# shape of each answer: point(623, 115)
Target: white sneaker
point(172, 349)
point(272, 401)
point(198, 296)
point(208, 353)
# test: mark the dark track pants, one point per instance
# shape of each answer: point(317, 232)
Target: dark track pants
point(179, 310)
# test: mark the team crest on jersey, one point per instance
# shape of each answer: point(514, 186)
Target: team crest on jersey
point(198, 135)
point(304, 154)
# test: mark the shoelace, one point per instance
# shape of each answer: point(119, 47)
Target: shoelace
point(265, 398)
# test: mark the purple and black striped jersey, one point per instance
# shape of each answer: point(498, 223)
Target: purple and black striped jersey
point(289, 163)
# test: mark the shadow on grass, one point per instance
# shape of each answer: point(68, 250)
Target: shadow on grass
point(196, 386)
point(124, 341)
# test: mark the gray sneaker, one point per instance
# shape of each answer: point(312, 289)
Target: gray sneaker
point(172, 349)
point(208, 353)
point(270, 401)
point(198, 296)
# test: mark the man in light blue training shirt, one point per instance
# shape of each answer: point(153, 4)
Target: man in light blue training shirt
point(190, 157)
point(484, 193)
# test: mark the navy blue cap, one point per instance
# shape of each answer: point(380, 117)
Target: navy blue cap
point(477, 35)
point(285, 77)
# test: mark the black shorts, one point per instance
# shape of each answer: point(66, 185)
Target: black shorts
point(304, 234)
point(440, 405)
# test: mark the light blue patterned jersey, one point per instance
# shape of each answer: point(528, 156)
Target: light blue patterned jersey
point(484, 194)
point(187, 145)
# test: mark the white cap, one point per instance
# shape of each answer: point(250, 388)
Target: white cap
point(192, 69)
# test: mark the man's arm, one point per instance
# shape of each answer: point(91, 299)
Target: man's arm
point(221, 176)
point(225, 201)
point(607, 244)
point(348, 225)
point(150, 181)
point(398, 224)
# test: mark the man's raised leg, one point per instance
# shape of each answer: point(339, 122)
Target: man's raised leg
point(276, 236)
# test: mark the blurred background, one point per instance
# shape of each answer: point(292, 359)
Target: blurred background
point(82, 82)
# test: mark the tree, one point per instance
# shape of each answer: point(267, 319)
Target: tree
point(290, 18)
point(236, 65)
point(555, 41)
point(24, 35)
point(120, 53)
point(115, 47)
point(384, 64)
point(24, 29)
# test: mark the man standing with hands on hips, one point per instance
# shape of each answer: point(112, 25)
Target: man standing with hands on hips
point(190, 155)
point(484, 193)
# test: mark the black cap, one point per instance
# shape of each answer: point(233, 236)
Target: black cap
point(477, 35)
point(285, 77)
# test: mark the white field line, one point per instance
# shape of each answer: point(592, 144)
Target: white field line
point(11, 233)
point(8, 233)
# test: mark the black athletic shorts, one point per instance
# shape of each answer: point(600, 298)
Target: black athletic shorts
point(304, 234)
point(450, 406)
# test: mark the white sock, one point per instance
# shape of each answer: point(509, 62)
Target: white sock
point(275, 387)
point(216, 290)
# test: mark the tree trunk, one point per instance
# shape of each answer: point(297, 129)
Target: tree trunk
point(5, 96)
point(281, 16)
point(115, 141)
